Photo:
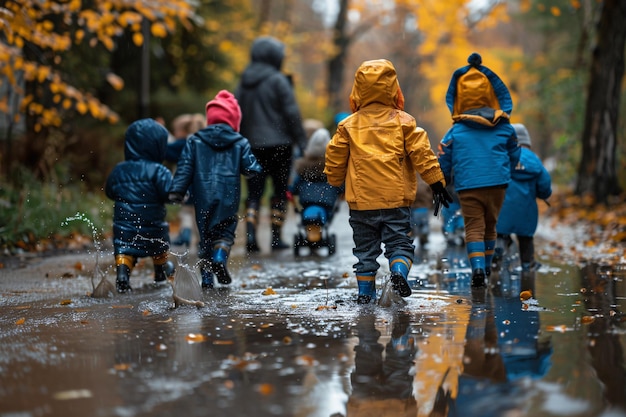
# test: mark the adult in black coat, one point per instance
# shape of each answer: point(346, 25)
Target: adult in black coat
point(272, 123)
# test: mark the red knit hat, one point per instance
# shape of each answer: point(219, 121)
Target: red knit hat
point(224, 108)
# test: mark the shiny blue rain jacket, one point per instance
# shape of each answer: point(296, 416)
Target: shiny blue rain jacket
point(212, 163)
point(139, 187)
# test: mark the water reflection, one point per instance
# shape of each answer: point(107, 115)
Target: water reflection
point(600, 288)
point(382, 384)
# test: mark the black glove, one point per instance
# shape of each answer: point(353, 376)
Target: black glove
point(440, 196)
point(176, 198)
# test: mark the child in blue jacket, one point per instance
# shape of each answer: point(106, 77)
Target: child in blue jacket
point(212, 163)
point(316, 196)
point(139, 187)
point(519, 215)
point(479, 151)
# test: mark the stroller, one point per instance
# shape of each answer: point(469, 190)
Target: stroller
point(317, 204)
point(313, 229)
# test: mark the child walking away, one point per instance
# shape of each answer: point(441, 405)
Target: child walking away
point(480, 149)
point(377, 152)
point(519, 215)
point(139, 187)
point(212, 163)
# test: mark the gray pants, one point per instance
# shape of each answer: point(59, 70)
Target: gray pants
point(370, 228)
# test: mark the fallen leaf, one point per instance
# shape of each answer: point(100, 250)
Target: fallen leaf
point(266, 389)
point(72, 394)
point(195, 338)
point(269, 291)
point(20, 321)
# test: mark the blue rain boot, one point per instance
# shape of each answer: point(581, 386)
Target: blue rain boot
point(399, 267)
point(367, 287)
point(218, 264)
point(476, 255)
point(207, 278)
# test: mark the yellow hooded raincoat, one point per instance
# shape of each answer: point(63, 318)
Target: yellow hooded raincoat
point(378, 149)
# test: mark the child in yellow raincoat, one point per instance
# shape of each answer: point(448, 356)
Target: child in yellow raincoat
point(377, 152)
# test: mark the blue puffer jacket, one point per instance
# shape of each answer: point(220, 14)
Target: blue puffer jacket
point(139, 188)
point(478, 156)
point(212, 163)
point(530, 180)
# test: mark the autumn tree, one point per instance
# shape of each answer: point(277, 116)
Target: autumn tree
point(34, 38)
point(597, 172)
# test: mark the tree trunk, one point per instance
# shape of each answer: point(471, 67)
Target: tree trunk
point(337, 63)
point(597, 172)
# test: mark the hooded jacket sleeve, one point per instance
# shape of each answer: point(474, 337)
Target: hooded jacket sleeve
point(422, 156)
point(291, 113)
point(444, 153)
point(514, 151)
point(544, 183)
point(336, 162)
point(249, 164)
point(184, 169)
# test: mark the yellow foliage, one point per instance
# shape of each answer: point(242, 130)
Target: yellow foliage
point(101, 22)
point(137, 38)
point(158, 30)
point(116, 82)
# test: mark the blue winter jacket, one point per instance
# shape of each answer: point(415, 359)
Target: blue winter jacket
point(139, 187)
point(212, 163)
point(530, 180)
point(480, 149)
point(478, 156)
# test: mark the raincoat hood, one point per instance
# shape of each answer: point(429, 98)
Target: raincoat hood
point(146, 139)
point(266, 55)
point(219, 136)
point(376, 81)
point(477, 94)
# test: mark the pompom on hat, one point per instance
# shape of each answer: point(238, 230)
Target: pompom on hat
point(316, 147)
point(224, 108)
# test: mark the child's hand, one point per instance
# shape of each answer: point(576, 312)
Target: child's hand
point(440, 196)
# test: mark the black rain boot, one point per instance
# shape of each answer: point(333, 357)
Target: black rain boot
point(252, 218)
point(278, 219)
point(163, 271)
point(478, 278)
point(277, 242)
point(122, 283)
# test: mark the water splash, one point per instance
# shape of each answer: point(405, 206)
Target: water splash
point(185, 284)
point(388, 296)
point(104, 288)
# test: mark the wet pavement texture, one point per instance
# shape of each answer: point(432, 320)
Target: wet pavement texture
point(286, 338)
